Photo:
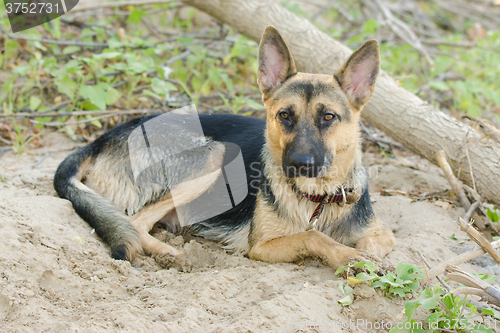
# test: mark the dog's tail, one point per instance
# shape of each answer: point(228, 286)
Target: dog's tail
point(109, 222)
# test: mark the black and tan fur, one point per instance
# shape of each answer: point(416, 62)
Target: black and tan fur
point(309, 144)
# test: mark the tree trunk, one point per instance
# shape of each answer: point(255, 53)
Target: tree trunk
point(409, 120)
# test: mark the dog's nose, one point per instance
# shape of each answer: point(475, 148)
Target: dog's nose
point(304, 165)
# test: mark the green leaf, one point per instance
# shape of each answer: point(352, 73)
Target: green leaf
point(21, 69)
point(493, 215)
point(439, 85)
point(366, 265)
point(86, 105)
point(162, 87)
point(66, 86)
point(361, 264)
point(345, 301)
point(95, 94)
point(136, 16)
point(35, 102)
point(11, 47)
point(71, 49)
point(69, 131)
point(107, 55)
point(42, 120)
point(491, 312)
point(39, 46)
point(147, 92)
point(214, 75)
point(95, 122)
point(112, 95)
point(365, 277)
point(370, 27)
point(114, 43)
point(489, 279)
point(427, 298)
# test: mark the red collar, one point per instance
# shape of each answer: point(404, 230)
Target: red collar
point(323, 199)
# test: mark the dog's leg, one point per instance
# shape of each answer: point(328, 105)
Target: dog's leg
point(305, 244)
point(272, 239)
point(377, 239)
point(145, 219)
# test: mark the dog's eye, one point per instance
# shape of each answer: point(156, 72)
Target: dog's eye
point(331, 116)
point(284, 115)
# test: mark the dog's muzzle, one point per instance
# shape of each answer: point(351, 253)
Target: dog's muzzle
point(302, 165)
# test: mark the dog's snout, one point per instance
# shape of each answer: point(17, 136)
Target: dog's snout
point(302, 165)
point(306, 161)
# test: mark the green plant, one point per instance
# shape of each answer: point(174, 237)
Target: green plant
point(22, 139)
point(404, 281)
point(449, 313)
point(493, 214)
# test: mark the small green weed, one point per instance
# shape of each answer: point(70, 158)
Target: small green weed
point(449, 313)
point(404, 281)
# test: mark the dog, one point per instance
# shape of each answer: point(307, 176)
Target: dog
point(306, 188)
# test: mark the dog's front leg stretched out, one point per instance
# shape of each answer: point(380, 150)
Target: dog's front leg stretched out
point(273, 240)
point(312, 243)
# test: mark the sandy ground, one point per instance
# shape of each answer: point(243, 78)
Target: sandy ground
point(56, 276)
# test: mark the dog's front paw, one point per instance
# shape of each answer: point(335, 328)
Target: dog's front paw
point(378, 245)
point(180, 261)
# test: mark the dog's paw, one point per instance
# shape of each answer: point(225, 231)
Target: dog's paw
point(180, 261)
point(378, 245)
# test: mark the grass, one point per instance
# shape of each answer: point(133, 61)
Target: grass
point(140, 67)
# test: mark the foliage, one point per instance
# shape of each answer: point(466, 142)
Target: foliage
point(133, 65)
point(448, 313)
point(493, 214)
point(453, 76)
point(404, 281)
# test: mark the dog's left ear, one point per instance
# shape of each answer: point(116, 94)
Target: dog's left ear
point(275, 61)
point(358, 74)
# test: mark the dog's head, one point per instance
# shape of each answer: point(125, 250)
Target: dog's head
point(313, 119)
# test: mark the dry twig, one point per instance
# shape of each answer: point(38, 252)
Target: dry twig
point(464, 257)
point(75, 113)
point(477, 237)
point(456, 186)
point(475, 285)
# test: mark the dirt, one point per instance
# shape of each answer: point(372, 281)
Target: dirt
point(56, 275)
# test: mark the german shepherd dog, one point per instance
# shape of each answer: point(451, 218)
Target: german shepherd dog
point(307, 187)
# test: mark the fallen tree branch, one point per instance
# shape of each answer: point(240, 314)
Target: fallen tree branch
point(427, 267)
point(455, 261)
point(456, 187)
point(477, 237)
point(417, 125)
point(475, 285)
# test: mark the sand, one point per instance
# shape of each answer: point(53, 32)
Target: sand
point(57, 276)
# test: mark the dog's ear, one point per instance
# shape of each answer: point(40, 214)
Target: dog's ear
point(275, 60)
point(358, 74)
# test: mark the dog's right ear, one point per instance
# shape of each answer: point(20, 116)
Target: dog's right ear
point(275, 61)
